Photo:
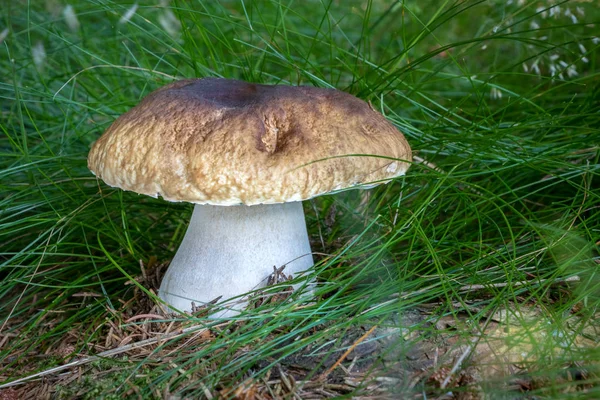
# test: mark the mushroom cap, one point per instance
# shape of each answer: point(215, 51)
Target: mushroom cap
point(228, 142)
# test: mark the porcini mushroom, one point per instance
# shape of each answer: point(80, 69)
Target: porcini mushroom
point(246, 155)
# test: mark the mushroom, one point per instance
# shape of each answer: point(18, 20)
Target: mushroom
point(247, 155)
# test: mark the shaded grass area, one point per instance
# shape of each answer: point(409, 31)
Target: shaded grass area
point(491, 238)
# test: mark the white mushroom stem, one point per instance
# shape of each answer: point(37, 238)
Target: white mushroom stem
point(228, 251)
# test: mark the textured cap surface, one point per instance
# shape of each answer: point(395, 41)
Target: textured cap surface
point(225, 142)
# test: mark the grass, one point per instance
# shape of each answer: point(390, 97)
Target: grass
point(478, 270)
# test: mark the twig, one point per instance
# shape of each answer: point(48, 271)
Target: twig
point(104, 354)
point(468, 288)
point(473, 343)
point(428, 164)
point(339, 361)
point(160, 318)
point(458, 362)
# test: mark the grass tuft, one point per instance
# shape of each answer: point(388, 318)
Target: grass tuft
point(475, 275)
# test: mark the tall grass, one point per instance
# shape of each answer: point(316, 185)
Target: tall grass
point(500, 101)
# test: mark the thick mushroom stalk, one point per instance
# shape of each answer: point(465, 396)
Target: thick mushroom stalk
point(229, 251)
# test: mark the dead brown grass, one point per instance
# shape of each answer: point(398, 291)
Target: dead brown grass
point(452, 357)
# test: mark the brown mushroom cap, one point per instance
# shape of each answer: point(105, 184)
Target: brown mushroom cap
point(225, 142)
